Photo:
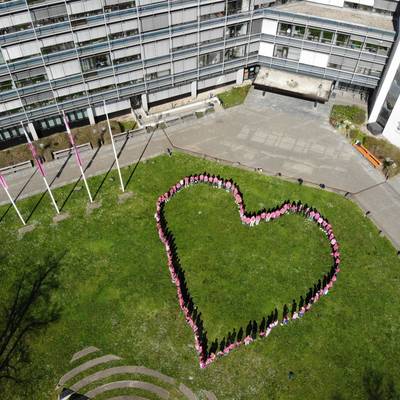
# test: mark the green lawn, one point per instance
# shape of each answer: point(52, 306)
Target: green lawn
point(117, 295)
point(234, 96)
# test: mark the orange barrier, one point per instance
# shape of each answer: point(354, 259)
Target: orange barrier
point(368, 155)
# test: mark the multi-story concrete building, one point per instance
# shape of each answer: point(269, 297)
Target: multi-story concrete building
point(71, 55)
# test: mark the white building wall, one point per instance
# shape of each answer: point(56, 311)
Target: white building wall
point(392, 127)
point(269, 27)
point(386, 81)
point(314, 58)
point(266, 49)
point(337, 3)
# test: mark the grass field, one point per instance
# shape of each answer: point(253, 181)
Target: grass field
point(234, 97)
point(116, 292)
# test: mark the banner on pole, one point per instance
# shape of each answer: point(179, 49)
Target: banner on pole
point(72, 141)
point(3, 182)
point(34, 153)
point(37, 159)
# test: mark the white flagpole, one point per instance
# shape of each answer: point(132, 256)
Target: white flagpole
point(39, 167)
point(77, 157)
point(113, 146)
point(3, 183)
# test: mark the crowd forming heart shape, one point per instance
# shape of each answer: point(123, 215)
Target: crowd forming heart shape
point(207, 354)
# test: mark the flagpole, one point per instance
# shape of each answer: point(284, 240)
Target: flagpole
point(77, 157)
point(3, 183)
point(39, 167)
point(113, 146)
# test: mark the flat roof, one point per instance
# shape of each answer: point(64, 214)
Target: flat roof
point(297, 84)
point(374, 20)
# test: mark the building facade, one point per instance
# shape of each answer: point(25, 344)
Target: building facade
point(63, 55)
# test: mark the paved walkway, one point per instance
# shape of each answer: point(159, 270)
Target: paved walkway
point(276, 133)
point(85, 366)
point(125, 369)
point(166, 386)
point(157, 390)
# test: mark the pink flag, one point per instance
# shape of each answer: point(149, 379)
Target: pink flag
point(3, 182)
point(72, 141)
point(37, 159)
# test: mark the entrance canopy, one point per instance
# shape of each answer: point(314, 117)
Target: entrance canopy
point(293, 84)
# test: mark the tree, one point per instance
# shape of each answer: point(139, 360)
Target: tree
point(30, 309)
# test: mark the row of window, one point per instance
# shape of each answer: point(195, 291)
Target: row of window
point(357, 6)
point(44, 125)
point(336, 62)
point(330, 37)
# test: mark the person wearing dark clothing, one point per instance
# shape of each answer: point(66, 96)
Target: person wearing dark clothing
point(294, 308)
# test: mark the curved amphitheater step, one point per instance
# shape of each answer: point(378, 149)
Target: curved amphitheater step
point(127, 398)
point(209, 395)
point(187, 392)
point(160, 392)
point(88, 364)
point(83, 353)
point(165, 387)
point(130, 369)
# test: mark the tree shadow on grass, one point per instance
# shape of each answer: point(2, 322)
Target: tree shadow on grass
point(30, 308)
point(376, 386)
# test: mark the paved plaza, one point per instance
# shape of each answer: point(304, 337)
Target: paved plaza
point(281, 134)
point(276, 133)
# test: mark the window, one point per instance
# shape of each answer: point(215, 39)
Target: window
point(6, 85)
point(235, 52)
point(376, 48)
point(159, 74)
point(285, 29)
point(355, 44)
point(101, 89)
point(49, 15)
point(369, 68)
point(281, 51)
point(85, 14)
point(10, 133)
point(30, 77)
point(119, 35)
point(95, 62)
point(342, 39)
point(313, 34)
point(234, 7)
point(15, 28)
point(327, 37)
point(119, 6)
point(236, 30)
point(58, 47)
point(299, 31)
point(126, 59)
point(210, 58)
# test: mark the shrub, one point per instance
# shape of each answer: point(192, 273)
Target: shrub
point(234, 96)
point(127, 125)
point(340, 113)
point(356, 134)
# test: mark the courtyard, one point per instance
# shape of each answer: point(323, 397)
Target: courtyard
point(115, 292)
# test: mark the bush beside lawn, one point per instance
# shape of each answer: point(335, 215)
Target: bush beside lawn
point(116, 292)
point(348, 119)
point(234, 96)
point(340, 114)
